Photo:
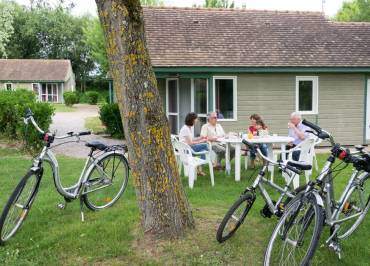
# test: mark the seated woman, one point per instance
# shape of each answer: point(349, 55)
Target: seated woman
point(262, 131)
point(186, 136)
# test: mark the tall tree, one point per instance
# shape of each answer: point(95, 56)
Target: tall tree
point(219, 3)
point(6, 26)
point(164, 207)
point(356, 10)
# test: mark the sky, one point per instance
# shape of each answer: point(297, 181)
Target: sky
point(330, 6)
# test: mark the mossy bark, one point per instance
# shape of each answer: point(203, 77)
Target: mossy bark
point(162, 201)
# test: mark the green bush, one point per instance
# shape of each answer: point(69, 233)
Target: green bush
point(13, 105)
point(111, 119)
point(92, 97)
point(70, 98)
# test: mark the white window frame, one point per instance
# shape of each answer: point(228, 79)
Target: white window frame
point(178, 101)
point(39, 87)
point(315, 94)
point(11, 85)
point(47, 92)
point(192, 103)
point(235, 98)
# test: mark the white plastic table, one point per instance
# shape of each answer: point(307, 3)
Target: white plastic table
point(237, 142)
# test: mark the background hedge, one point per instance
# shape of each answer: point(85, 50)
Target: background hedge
point(111, 119)
point(13, 105)
point(70, 98)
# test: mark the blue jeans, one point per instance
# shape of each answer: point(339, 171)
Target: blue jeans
point(263, 148)
point(200, 147)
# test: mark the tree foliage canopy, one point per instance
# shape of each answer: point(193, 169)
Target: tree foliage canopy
point(356, 10)
point(45, 31)
point(6, 27)
point(219, 3)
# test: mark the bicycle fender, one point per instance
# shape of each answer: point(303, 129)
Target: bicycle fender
point(318, 198)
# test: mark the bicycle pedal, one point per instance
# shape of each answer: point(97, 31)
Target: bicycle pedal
point(265, 212)
point(335, 246)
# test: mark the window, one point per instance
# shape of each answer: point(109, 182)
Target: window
point(49, 92)
point(9, 86)
point(172, 104)
point(307, 95)
point(224, 91)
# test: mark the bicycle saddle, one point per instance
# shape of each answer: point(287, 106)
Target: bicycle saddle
point(97, 145)
point(300, 165)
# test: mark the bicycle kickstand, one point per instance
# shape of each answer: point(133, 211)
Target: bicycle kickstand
point(82, 210)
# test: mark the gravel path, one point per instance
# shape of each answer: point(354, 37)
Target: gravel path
point(64, 122)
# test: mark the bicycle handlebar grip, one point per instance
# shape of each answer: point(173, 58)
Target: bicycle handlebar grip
point(249, 145)
point(28, 113)
point(83, 133)
point(312, 125)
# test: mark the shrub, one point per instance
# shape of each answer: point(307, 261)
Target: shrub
point(111, 119)
point(12, 108)
point(70, 98)
point(92, 97)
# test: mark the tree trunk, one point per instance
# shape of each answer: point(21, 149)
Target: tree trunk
point(163, 204)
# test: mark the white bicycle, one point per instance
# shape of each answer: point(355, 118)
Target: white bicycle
point(101, 183)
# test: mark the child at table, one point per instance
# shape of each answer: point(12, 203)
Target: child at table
point(252, 128)
point(262, 131)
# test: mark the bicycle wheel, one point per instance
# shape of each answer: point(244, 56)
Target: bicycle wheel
point(357, 205)
point(235, 217)
point(18, 206)
point(297, 234)
point(106, 182)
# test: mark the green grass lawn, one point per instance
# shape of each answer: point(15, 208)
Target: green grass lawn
point(60, 107)
point(113, 236)
point(94, 124)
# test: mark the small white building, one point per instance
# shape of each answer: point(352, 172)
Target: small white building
point(48, 78)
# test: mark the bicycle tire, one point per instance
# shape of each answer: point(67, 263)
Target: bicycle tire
point(91, 198)
point(343, 232)
point(19, 192)
point(248, 199)
point(314, 208)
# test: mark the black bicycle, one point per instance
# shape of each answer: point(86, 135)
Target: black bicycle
point(237, 213)
point(297, 234)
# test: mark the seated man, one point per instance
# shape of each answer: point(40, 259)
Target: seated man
point(297, 131)
point(212, 131)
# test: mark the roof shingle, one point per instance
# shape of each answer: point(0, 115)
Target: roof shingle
point(253, 38)
point(34, 69)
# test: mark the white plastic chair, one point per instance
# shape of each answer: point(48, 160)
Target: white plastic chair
point(306, 149)
point(314, 158)
point(175, 138)
point(190, 161)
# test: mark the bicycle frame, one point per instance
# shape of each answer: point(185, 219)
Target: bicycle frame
point(258, 184)
point(332, 208)
point(77, 189)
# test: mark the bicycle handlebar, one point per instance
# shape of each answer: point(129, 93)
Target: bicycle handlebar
point(255, 148)
point(29, 118)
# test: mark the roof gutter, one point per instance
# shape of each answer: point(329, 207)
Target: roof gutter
point(196, 69)
point(32, 81)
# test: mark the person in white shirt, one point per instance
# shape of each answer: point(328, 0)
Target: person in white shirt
point(186, 135)
point(213, 131)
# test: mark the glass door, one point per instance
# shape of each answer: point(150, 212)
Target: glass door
point(36, 90)
point(199, 92)
point(172, 104)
